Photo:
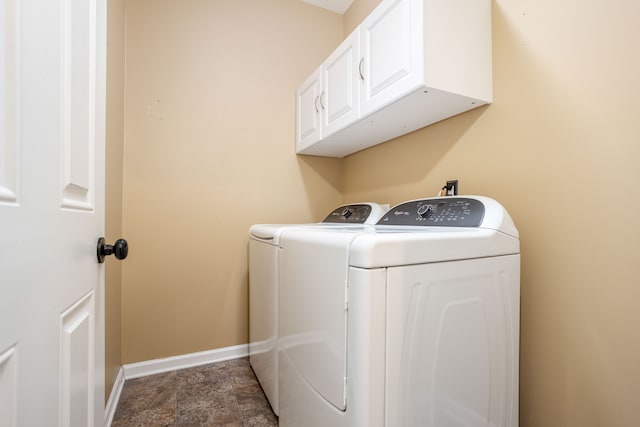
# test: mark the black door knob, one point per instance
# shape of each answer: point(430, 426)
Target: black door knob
point(120, 249)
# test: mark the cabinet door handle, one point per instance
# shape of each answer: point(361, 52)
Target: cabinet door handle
point(360, 68)
point(315, 104)
point(321, 103)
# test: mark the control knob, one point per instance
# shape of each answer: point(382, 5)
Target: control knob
point(424, 210)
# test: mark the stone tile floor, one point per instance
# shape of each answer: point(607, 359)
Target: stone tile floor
point(219, 394)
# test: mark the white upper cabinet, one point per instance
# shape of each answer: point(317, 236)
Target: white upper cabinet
point(329, 99)
point(417, 62)
point(308, 116)
point(341, 88)
point(391, 63)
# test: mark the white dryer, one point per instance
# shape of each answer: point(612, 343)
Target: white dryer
point(412, 323)
point(264, 248)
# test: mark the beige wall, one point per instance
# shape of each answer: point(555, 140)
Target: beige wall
point(560, 148)
point(114, 159)
point(210, 113)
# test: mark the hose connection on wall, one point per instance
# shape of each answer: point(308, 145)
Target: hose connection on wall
point(449, 189)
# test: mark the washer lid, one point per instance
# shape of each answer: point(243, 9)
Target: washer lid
point(270, 233)
point(356, 214)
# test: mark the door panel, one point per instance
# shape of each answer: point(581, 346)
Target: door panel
point(77, 338)
point(8, 101)
point(8, 388)
point(78, 109)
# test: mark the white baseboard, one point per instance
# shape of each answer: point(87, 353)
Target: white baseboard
point(114, 397)
point(157, 366)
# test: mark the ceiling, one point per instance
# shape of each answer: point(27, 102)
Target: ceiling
point(338, 6)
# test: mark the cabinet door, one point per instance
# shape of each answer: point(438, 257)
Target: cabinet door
point(308, 118)
point(392, 53)
point(339, 99)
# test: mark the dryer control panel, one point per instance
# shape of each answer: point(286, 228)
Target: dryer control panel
point(350, 214)
point(438, 212)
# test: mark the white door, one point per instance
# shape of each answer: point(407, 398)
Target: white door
point(52, 96)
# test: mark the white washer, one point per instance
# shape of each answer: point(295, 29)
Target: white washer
point(264, 248)
point(414, 322)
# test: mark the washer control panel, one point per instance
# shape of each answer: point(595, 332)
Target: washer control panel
point(349, 214)
point(438, 212)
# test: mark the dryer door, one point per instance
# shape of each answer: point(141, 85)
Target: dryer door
point(313, 316)
point(452, 343)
